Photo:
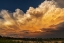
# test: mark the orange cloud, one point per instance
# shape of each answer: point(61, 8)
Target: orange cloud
point(47, 15)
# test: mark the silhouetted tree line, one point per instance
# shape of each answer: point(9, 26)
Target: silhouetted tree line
point(32, 39)
point(0, 36)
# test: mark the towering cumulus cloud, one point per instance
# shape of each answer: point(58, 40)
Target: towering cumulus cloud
point(40, 21)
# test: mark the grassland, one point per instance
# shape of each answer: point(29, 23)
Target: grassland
point(28, 40)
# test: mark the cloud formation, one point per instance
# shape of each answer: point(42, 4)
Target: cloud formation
point(45, 20)
point(59, 2)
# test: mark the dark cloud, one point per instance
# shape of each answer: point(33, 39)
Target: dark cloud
point(59, 2)
point(47, 32)
point(51, 33)
point(26, 31)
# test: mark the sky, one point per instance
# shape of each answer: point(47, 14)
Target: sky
point(32, 18)
point(24, 5)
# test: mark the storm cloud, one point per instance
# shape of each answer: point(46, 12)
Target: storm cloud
point(46, 20)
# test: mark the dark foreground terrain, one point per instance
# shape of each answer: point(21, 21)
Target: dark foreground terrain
point(30, 40)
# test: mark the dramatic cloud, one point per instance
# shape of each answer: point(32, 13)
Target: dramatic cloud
point(50, 33)
point(44, 21)
point(59, 2)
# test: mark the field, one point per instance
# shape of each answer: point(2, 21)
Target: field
point(17, 41)
point(31, 40)
point(20, 41)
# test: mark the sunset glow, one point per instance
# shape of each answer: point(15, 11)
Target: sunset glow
point(17, 24)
